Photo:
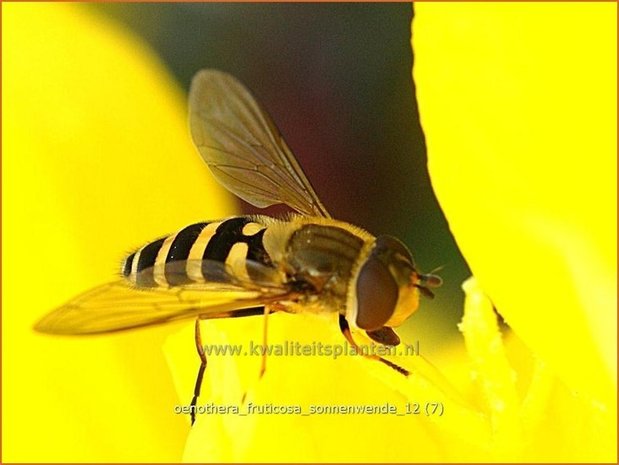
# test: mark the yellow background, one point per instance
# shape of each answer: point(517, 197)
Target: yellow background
point(96, 159)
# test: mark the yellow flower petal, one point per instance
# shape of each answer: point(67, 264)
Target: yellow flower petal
point(96, 161)
point(518, 104)
point(533, 415)
point(299, 382)
point(491, 368)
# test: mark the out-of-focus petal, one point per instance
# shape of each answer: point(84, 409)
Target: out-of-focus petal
point(96, 160)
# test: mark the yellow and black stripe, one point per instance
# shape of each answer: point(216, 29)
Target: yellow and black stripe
point(183, 258)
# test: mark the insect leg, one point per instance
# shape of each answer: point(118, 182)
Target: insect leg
point(198, 385)
point(253, 311)
point(268, 309)
point(263, 363)
point(345, 328)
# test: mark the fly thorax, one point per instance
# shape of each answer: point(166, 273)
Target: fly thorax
point(322, 257)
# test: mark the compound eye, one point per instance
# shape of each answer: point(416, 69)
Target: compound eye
point(377, 295)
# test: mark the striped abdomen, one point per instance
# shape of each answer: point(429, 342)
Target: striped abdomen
point(164, 262)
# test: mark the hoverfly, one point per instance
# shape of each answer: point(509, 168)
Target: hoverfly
point(253, 265)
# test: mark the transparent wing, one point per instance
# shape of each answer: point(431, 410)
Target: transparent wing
point(120, 305)
point(243, 148)
point(239, 275)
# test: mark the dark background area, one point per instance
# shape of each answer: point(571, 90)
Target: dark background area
point(336, 79)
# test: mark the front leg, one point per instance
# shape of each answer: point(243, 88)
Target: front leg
point(345, 328)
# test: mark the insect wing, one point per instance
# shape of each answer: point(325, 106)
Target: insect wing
point(243, 148)
point(120, 305)
point(240, 274)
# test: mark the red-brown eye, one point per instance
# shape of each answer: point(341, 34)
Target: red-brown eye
point(377, 294)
